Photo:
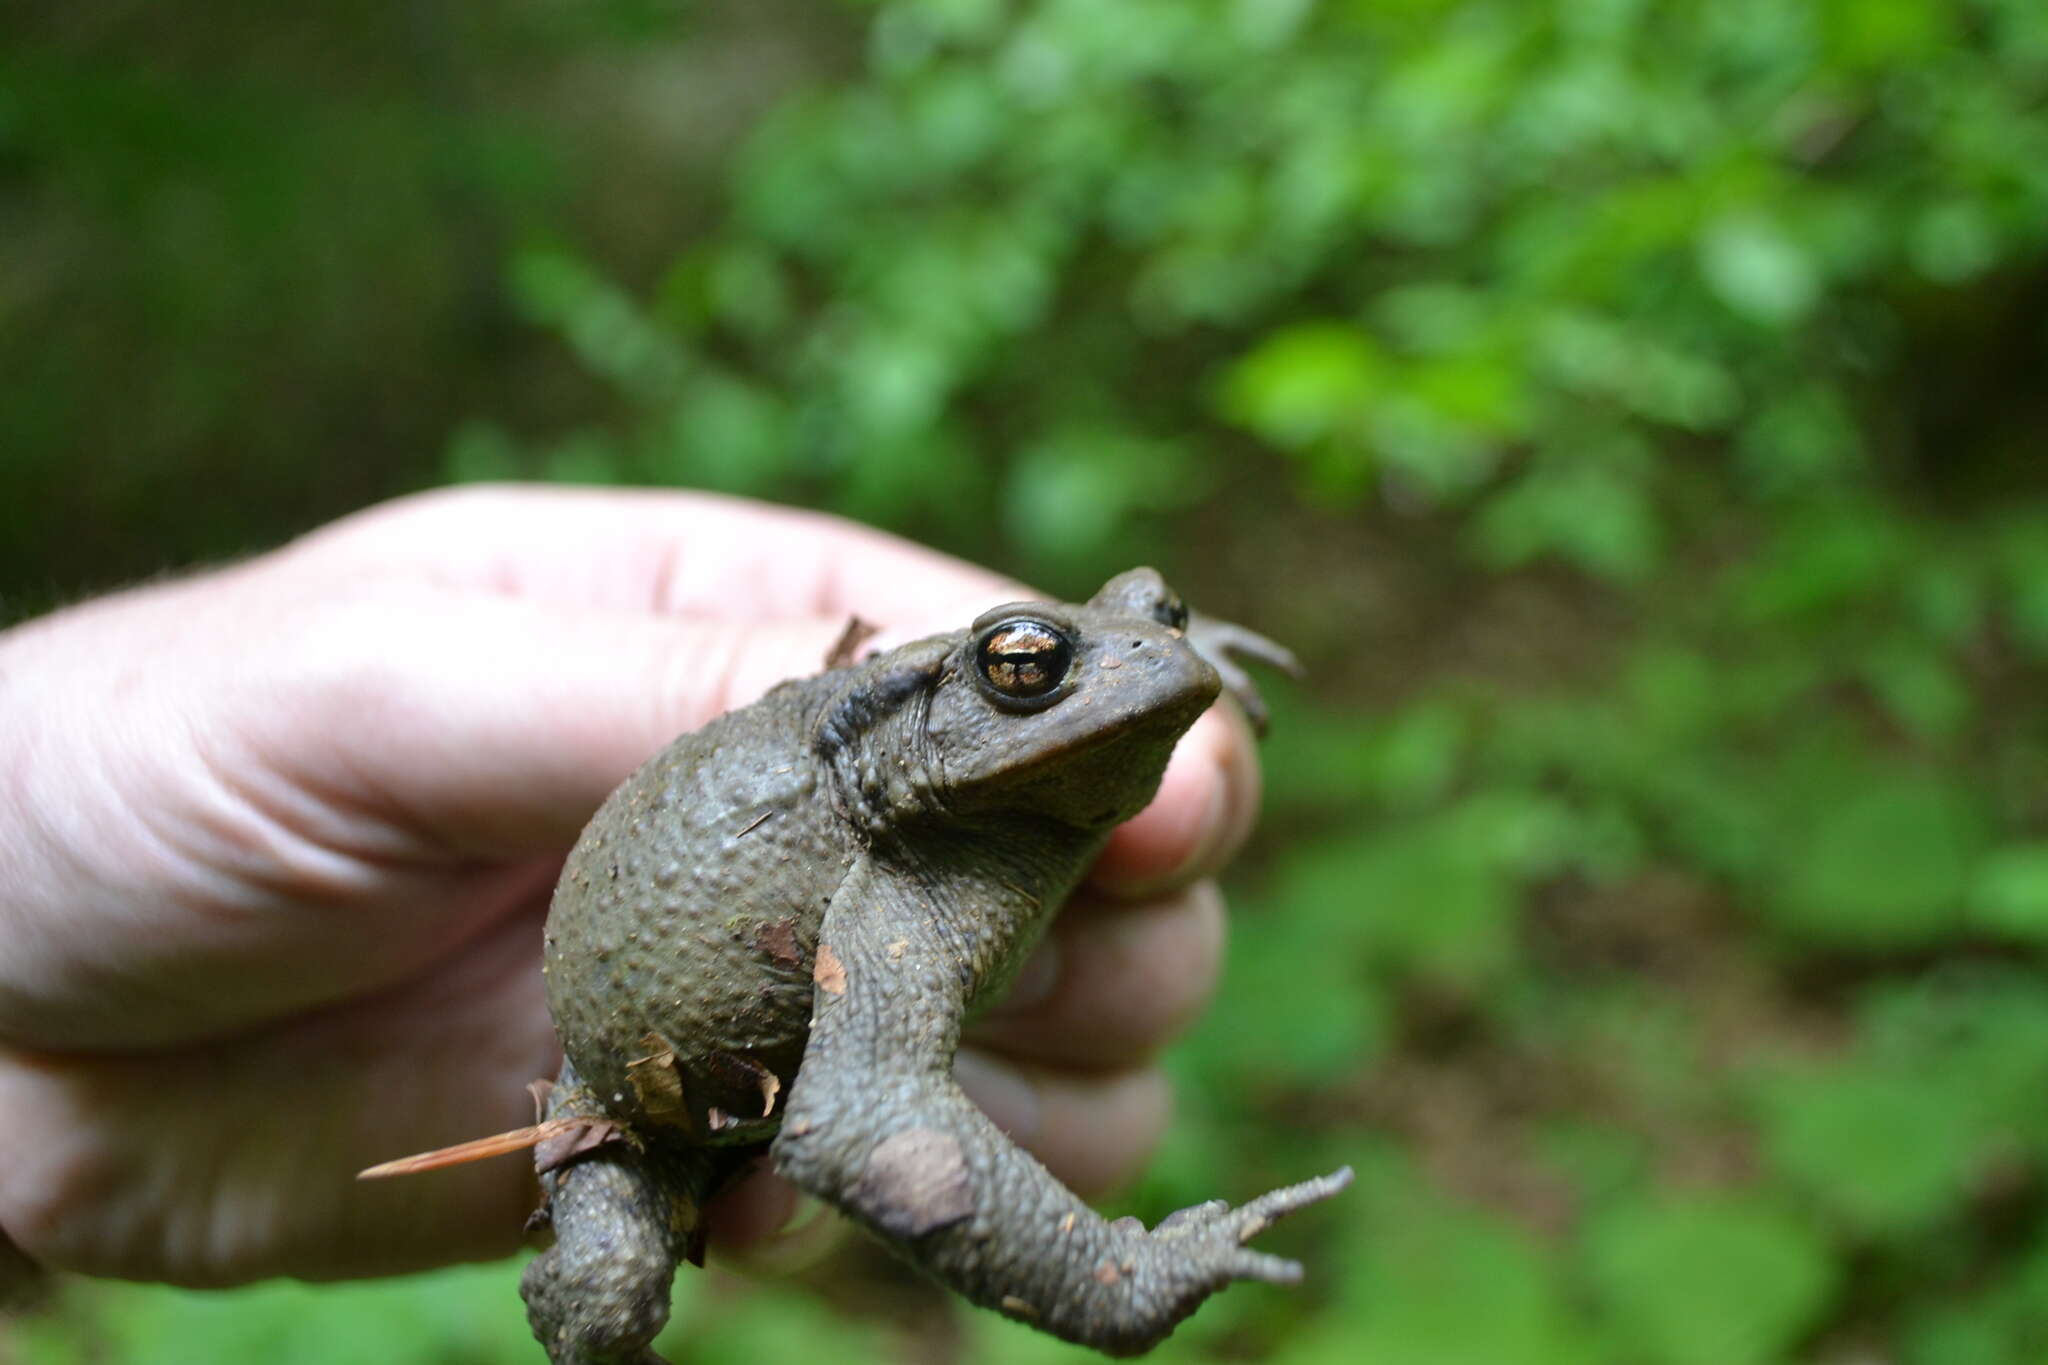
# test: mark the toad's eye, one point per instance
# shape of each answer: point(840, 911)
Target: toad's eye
point(1173, 612)
point(1023, 660)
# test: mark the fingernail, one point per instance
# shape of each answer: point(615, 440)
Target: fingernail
point(1035, 981)
point(811, 1233)
point(1002, 1091)
point(806, 1213)
point(1215, 833)
point(1216, 826)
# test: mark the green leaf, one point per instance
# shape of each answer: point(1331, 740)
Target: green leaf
point(1977, 1037)
point(1960, 1335)
point(2010, 892)
point(773, 1323)
point(1758, 270)
point(1656, 377)
point(723, 433)
point(2023, 556)
point(1605, 1164)
point(1306, 383)
point(1883, 1152)
point(1799, 440)
point(1707, 1280)
point(1872, 32)
point(1920, 688)
point(1673, 694)
point(1886, 866)
point(1594, 519)
point(609, 331)
point(2003, 1322)
point(1297, 1002)
point(1953, 242)
point(1071, 496)
point(1427, 901)
point(1419, 751)
point(1823, 559)
point(1453, 1287)
point(482, 452)
point(466, 1314)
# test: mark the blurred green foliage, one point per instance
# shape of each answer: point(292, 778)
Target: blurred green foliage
point(1634, 413)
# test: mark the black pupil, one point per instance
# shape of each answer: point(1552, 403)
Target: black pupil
point(1176, 613)
point(1024, 659)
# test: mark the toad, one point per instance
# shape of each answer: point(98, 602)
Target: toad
point(769, 937)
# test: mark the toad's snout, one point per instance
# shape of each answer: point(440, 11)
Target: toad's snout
point(1153, 677)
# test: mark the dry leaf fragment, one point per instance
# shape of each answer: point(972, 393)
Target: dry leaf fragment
point(581, 1136)
point(829, 972)
point(657, 1080)
point(477, 1149)
point(845, 650)
point(739, 1071)
point(777, 939)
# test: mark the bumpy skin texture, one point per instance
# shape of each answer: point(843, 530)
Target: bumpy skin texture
point(773, 932)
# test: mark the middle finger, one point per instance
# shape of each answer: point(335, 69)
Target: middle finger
point(1113, 982)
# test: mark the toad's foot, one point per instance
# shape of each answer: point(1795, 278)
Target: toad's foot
point(600, 1294)
point(1139, 1284)
point(1212, 1235)
point(1223, 644)
point(624, 1212)
point(1142, 592)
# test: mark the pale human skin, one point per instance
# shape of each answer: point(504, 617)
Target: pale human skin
point(278, 840)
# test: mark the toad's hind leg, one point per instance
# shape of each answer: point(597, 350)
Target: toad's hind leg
point(623, 1217)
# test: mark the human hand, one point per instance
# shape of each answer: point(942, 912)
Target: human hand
point(281, 838)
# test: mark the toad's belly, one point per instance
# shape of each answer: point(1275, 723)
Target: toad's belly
point(682, 934)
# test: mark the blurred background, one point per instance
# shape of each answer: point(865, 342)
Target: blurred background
point(1633, 413)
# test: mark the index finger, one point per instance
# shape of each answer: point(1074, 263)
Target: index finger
point(683, 553)
point(664, 551)
point(1207, 802)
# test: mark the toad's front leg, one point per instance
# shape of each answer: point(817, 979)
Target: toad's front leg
point(876, 1125)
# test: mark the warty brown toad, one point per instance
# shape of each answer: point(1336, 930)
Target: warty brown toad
point(770, 935)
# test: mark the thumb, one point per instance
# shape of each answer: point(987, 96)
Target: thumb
point(495, 727)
